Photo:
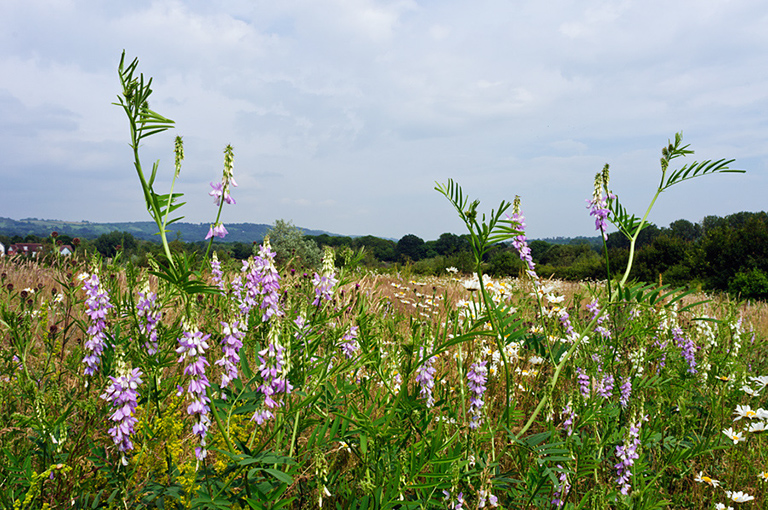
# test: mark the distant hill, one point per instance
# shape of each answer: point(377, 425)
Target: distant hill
point(147, 230)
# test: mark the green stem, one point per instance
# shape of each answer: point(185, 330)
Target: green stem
point(218, 216)
point(633, 239)
point(555, 376)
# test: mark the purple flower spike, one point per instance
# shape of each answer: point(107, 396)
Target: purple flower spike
point(274, 373)
point(598, 206)
point(520, 242)
point(349, 343)
point(216, 274)
point(122, 395)
point(97, 304)
point(192, 347)
point(231, 345)
point(148, 309)
point(425, 376)
point(476, 379)
point(626, 392)
point(687, 347)
point(583, 379)
point(627, 454)
point(261, 279)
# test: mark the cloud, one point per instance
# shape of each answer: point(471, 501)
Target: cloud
point(344, 113)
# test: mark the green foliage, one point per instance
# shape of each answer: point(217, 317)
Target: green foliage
point(290, 246)
point(750, 284)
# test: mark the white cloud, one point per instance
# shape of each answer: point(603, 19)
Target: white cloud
point(343, 113)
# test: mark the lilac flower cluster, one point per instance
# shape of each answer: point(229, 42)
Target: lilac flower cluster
point(324, 286)
point(520, 242)
point(476, 379)
point(569, 417)
point(454, 504)
point(273, 370)
point(604, 386)
point(262, 279)
point(594, 307)
point(626, 392)
point(627, 454)
point(484, 497)
point(687, 347)
point(583, 380)
point(216, 230)
point(302, 329)
point(122, 394)
point(216, 273)
point(561, 490)
point(425, 376)
point(192, 346)
point(230, 345)
point(598, 206)
point(565, 320)
point(218, 191)
point(349, 345)
point(97, 304)
point(148, 309)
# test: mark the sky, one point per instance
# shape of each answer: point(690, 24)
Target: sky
point(344, 114)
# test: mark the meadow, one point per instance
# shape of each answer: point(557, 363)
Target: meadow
point(197, 384)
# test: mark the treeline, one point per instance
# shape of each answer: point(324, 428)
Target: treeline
point(720, 253)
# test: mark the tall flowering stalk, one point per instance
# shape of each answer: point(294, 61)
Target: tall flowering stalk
point(627, 454)
point(598, 206)
point(425, 376)
point(122, 394)
point(149, 311)
point(273, 369)
point(192, 347)
point(687, 348)
point(349, 345)
point(520, 242)
point(476, 379)
point(97, 304)
point(220, 194)
point(325, 283)
point(216, 274)
point(230, 345)
point(261, 279)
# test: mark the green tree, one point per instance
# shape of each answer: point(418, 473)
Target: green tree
point(289, 244)
point(410, 247)
point(109, 244)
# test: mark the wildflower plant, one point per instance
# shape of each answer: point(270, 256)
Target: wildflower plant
point(260, 386)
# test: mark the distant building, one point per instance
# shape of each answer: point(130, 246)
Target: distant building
point(34, 249)
point(28, 249)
